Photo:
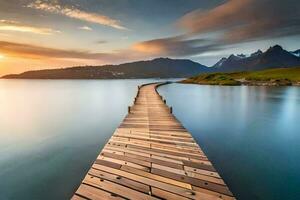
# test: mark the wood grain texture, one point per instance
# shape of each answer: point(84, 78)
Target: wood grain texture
point(152, 156)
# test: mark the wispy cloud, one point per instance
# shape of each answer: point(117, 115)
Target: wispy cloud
point(231, 23)
point(36, 52)
point(27, 51)
point(174, 46)
point(246, 20)
point(101, 42)
point(8, 25)
point(77, 14)
point(86, 28)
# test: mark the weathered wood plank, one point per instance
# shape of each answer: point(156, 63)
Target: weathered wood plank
point(116, 189)
point(93, 193)
point(120, 180)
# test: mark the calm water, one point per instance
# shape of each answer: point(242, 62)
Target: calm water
point(251, 134)
point(51, 131)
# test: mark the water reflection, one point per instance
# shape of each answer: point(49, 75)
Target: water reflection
point(251, 134)
point(51, 131)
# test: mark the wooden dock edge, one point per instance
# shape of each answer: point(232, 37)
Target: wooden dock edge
point(152, 156)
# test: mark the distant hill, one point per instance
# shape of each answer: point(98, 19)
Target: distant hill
point(274, 57)
point(157, 68)
point(270, 77)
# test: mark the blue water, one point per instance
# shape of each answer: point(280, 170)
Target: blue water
point(51, 132)
point(251, 134)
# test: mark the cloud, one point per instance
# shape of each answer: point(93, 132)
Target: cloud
point(76, 14)
point(231, 23)
point(35, 52)
point(7, 25)
point(28, 51)
point(179, 46)
point(101, 41)
point(86, 28)
point(246, 20)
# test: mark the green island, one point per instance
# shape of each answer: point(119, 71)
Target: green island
point(271, 77)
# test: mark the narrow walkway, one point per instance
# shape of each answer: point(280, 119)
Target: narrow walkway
point(152, 156)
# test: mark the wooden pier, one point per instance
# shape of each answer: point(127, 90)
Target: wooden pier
point(152, 156)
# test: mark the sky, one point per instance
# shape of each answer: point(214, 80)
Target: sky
point(43, 34)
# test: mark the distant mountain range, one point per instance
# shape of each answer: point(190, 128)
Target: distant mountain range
point(274, 57)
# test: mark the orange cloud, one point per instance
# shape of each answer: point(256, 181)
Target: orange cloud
point(38, 52)
point(231, 12)
point(245, 20)
point(149, 47)
point(77, 14)
point(6, 25)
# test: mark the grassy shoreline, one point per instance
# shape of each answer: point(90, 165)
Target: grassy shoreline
point(271, 77)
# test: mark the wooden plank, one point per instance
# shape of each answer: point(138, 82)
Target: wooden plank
point(205, 178)
point(121, 162)
point(169, 169)
point(108, 163)
point(116, 189)
point(126, 150)
point(166, 195)
point(212, 193)
point(201, 171)
point(93, 193)
point(126, 158)
point(156, 177)
point(120, 180)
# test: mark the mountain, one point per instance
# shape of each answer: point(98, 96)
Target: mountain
point(296, 53)
point(274, 57)
point(257, 53)
point(156, 68)
point(220, 63)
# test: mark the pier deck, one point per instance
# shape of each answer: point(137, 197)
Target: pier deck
point(152, 156)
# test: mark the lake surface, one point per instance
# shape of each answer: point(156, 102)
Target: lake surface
point(52, 130)
point(251, 134)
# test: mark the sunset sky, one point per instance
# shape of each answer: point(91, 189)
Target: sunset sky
point(36, 34)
